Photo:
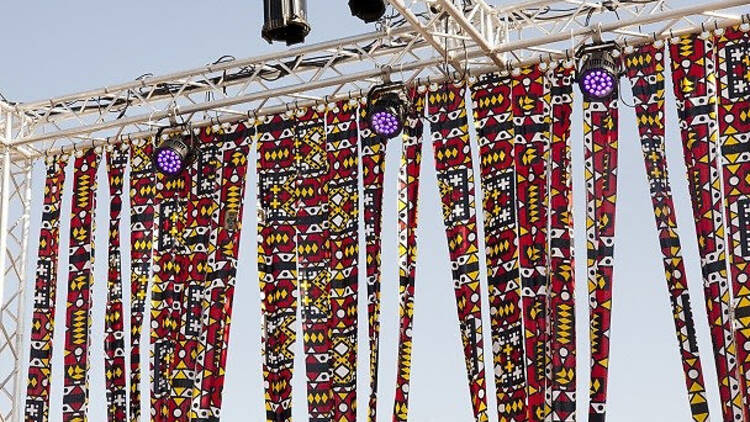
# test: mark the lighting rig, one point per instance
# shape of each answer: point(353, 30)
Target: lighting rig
point(175, 153)
point(367, 10)
point(388, 105)
point(285, 20)
point(599, 70)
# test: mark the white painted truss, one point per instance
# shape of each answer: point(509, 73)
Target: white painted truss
point(424, 41)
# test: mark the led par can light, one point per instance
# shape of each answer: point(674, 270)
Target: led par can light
point(367, 10)
point(598, 75)
point(387, 109)
point(173, 155)
point(285, 20)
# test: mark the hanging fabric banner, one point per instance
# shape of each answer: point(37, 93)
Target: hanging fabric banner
point(277, 260)
point(645, 69)
point(531, 118)
point(493, 116)
point(142, 190)
point(168, 269)
point(215, 311)
point(343, 222)
point(600, 130)
point(694, 81)
point(561, 329)
point(114, 326)
point(733, 48)
point(453, 163)
point(80, 282)
point(45, 288)
point(194, 242)
point(408, 196)
point(313, 256)
point(373, 172)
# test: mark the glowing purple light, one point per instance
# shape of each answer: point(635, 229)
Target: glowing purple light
point(169, 161)
point(385, 123)
point(598, 83)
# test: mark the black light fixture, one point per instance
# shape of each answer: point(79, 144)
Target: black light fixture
point(285, 20)
point(388, 104)
point(174, 154)
point(599, 72)
point(367, 10)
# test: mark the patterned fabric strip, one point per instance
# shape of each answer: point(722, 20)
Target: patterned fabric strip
point(645, 69)
point(188, 288)
point(45, 287)
point(313, 256)
point(373, 170)
point(168, 269)
point(408, 194)
point(343, 222)
point(114, 334)
point(493, 117)
point(80, 282)
point(694, 80)
point(561, 308)
point(277, 260)
point(142, 190)
point(532, 117)
point(218, 291)
point(733, 48)
point(600, 119)
point(453, 163)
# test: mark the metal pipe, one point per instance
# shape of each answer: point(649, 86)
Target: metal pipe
point(472, 31)
point(4, 201)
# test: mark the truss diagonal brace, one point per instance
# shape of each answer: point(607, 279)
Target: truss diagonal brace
point(483, 43)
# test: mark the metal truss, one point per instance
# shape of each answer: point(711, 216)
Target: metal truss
point(424, 41)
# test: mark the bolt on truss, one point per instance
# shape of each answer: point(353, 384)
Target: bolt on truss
point(425, 41)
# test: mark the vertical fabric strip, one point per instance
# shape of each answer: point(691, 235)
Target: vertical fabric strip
point(562, 341)
point(142, 190)
point(600, 119)
point(45, 287)
point(114, 334)
point(645, 69)
point(80, 283)
point(408, 195)
point(218, 290)
point(694, 81)
point(532, 117)
point(453, 163)
point(493, 117)
point(343, 222)
point(733, 48)
point(373, 170)
point(277, 260)
point(313, 256)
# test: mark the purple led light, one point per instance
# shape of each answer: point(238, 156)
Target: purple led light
point(169, 161)
point(598, 83)
point(385, 123)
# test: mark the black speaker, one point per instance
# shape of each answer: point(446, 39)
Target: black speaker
point(367, 10)
point(285, 20)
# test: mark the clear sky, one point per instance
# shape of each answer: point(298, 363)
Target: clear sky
point(52, 48)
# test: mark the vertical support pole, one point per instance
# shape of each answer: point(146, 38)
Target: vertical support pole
point(4, 201)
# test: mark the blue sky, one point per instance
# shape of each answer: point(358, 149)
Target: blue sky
point(52, 48)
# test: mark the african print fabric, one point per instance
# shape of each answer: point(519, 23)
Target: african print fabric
point(532, 118)
point(600, 132)
point(493, 117)
point(694, 80)
point(561, 308)
point(218, 289)
point(313, 260)
point(277, 260)
point(80, 282)
point(373, 171)
point(114, 328)
point(408, 195)
point(645, 69)
point(142, 191)
point(453, 163)
point(733, 47)
point(45, 288)
point(343, 223)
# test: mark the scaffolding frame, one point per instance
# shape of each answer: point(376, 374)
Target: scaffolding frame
point(424, 41)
